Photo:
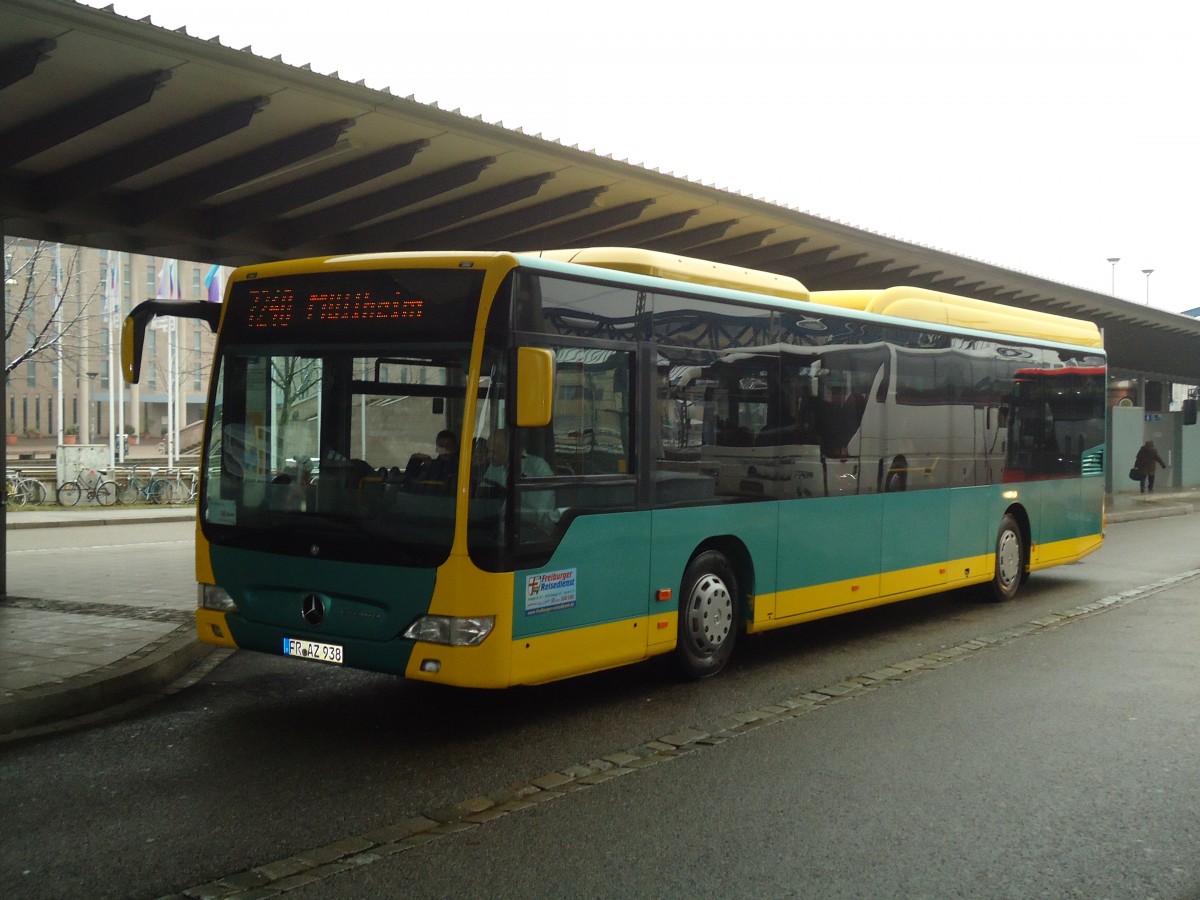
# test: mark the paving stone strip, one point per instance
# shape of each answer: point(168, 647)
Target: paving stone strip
point(111, 610)
point(313, 865)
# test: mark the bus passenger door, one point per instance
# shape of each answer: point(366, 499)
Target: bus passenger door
point(585, 608)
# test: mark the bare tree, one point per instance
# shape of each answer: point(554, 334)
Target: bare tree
point(297, 378)
point(35, 305)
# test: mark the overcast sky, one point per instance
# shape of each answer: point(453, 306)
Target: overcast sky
point(1039, 135)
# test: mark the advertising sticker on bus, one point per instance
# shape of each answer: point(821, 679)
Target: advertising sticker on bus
point(549, 591)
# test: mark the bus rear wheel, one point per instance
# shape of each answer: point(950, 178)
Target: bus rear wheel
point(1010, 560)
point(708, 615)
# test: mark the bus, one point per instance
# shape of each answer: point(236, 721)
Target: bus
point(655, 455)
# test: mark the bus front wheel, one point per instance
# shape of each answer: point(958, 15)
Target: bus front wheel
point(708, 615)
point(1010, 560)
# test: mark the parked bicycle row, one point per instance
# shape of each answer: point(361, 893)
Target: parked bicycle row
point(135, 485)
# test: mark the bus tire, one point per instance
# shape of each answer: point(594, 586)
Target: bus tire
point(1010, 560)
point(708, 615)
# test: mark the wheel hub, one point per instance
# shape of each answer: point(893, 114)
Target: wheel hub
point(709, 614)
point(1008, 559)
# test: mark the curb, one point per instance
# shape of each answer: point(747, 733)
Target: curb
point(1156, 508)
point(1134, 515)
point(13, 523)
point(145, 672)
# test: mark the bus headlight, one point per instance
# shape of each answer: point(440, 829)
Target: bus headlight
point(451, 630)
point(209, 596)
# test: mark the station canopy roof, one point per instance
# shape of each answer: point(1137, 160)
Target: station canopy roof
point(122, 135)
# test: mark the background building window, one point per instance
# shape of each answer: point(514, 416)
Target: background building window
point(197, 357)
point(104, 347)
point(30, 364)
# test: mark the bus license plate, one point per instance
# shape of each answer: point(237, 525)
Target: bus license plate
point(330, 653)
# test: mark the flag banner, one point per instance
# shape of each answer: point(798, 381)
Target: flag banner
point(167, 287)
point(112, 293)
point(213, 284)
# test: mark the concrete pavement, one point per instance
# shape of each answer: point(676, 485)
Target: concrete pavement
point(61, 658)
point(60, 661)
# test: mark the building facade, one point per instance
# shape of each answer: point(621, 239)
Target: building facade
point(73, 386)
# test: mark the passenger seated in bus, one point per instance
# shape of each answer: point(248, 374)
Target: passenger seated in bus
point(436, 473)
point(295, 479)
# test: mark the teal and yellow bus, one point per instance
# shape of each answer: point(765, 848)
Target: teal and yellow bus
point(491, 469)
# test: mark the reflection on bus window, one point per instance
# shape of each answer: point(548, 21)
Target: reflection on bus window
point(787, 420)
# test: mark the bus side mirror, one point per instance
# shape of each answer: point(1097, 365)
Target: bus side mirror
point(133, 332)
point(1189, 412)
point(535, 387)
point(133, 335)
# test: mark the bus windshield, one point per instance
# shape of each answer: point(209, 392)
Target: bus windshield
point(349, 443)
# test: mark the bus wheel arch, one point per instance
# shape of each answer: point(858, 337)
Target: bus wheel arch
point(711, 607)
point(1012, 555)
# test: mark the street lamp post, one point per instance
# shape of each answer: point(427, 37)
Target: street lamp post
point(1113, 260)
point(1147, 272)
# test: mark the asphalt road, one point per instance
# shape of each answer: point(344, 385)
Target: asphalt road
point(1052, 760)
point(150, 565)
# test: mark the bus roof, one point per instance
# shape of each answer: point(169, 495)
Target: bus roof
point(964, 312)
point(682, 268)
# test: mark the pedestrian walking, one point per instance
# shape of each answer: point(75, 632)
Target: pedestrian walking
point(1147, 459)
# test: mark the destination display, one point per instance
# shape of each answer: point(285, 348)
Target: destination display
point(279, 308)
point(425, 304)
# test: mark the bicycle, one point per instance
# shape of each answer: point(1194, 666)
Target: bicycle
point(134, 488)
point(21, 489)
point(177, 491)
point(193, 486)
point(89, 483)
